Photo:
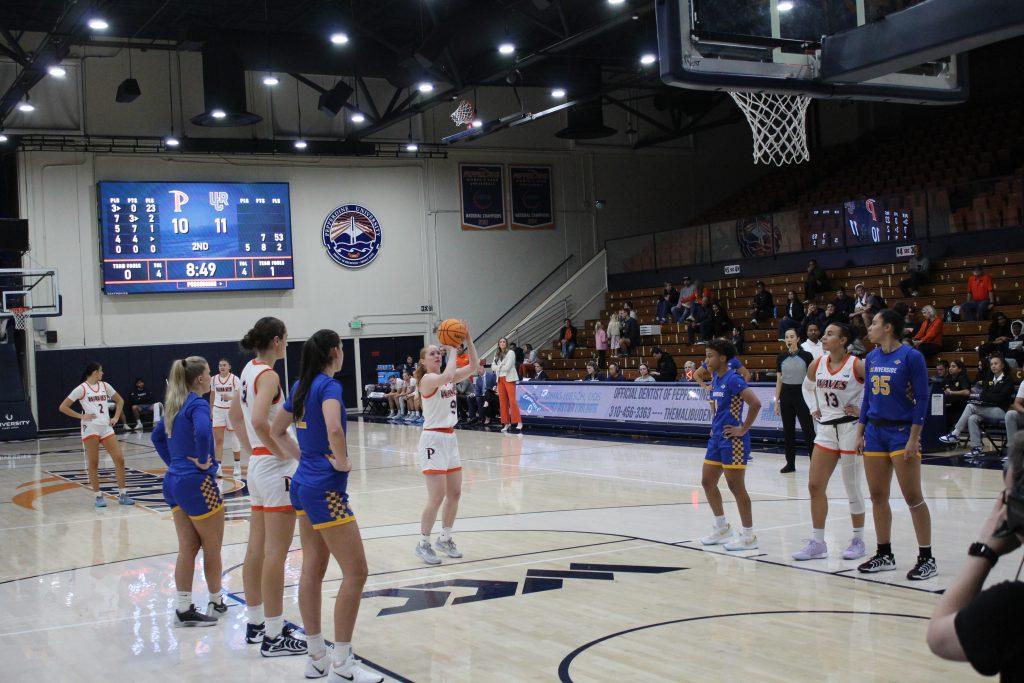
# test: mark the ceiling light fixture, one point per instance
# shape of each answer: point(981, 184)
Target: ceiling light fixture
point(171, 141)
point(411, 147)
point(478, 123)
point(616, 2)
point(425, 87)
point(218, 114)
point(648, 59)
point(339, 38)
point(57, 71)
point(26, 107)
point(98, 24)
point(300, 144)
point(558, 93)
point(785, 6)
point(357, 117)
point(506, 48)
point(271, 80)
point(3, 138)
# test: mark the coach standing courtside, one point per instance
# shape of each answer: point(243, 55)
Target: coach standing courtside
point(791, 366)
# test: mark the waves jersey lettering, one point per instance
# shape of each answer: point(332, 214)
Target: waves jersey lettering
point(836, 389)
point(93, 399)
point(440, 408)
point(250, 374)
point(224, 391)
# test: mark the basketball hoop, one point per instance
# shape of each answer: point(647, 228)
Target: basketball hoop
point(20, 315)
point(464, 114)
point(778, 123)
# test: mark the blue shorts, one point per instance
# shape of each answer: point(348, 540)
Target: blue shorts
point(324, 508)
point(729, 453)
point(889, 441)
point(197, 494)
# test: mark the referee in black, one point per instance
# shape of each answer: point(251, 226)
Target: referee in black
point(791, 366)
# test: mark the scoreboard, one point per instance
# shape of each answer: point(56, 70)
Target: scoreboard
point(192, 237)
point(863, 221)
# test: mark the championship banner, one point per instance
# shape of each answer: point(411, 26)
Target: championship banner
point(530, 192)
point(666, 403)
point(482, 194)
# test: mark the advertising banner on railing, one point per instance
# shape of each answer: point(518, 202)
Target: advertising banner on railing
point(482, 192)
point(530, 194)
point(637, 402)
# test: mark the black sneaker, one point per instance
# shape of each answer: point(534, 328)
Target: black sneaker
point(878, 563)
point(282, 646)
point(787, 468)
point(216, 609)
point(192, 617)
point(254, 633)
point(924, 569)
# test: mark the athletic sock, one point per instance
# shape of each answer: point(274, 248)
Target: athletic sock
point(858, 532)
point(274, 626)
point(122, 492)
point(819, 535)
point(315, 645)
point(885, 549)
point(254, 614)
point(721, 522)
point(924, 552)
point(425, 538)
point(748, 531)
point(341, 653)
point(184, 601)
point(446, 533)
point(218, 597)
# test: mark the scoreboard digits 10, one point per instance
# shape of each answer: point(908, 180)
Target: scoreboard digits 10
point(177, 237)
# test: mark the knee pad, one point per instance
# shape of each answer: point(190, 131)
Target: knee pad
point(851, 480)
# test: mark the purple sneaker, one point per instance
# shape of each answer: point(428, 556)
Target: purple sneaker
point(855, 550)
point(814, 550)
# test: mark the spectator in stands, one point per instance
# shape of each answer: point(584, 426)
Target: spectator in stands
point(875, 303)
point(1016, 343)
point(941, 372)
point(693, 322)
point(980, 295)
point(859, 332)
point(645, 374)
point(465, 398)
point(531, 354)
point(485, 394)
point(843, 303)
point(815, 282)
point(689, 367)
point(763, 304)
point(614, 331)
point(792, 315)
point(669, 298)
point(956, 389)
point(702, 301)
point(687, 297)
point(665, 366)
point(999, 335)
point(832, 315)
point(910, 323)
point(541, 375)
point(812, 344)
point(812, 316)
point(520, 354)
point(928, 339)
point(591, 373)
point(1015, 415)
point(395, 390)
point(739, 340)
point(791, 366)
point(613, 374)
point(996, 396)
point(716, 324)
point(600, 343)
point(918, 268)
point(408, 366)
point(142, 402)
point(567, 338)
point(630, 311)
point(860, 302)
point(630, 337)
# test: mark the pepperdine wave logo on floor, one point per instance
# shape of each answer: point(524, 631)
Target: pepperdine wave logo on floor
point(352, 236)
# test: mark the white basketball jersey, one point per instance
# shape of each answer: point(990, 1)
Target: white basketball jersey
point(440, 408)
point(93, 399)
point(224, 391)
point(250, 373)
point(836, 389)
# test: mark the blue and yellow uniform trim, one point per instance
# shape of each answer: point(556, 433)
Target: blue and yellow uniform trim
point(323, 508)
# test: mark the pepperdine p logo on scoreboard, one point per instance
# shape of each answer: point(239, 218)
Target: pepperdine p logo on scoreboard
point(352, 236)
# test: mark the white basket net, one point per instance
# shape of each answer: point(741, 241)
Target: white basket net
point(20, 315)
point(463, 114)
point(779, 125)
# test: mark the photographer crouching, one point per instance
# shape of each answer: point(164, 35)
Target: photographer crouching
point(982, 626)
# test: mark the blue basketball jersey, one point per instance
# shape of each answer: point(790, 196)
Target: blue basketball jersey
point(895, 386)
point(725, 392)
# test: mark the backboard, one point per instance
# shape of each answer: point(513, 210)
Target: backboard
point(777, 46)
point(37, 288)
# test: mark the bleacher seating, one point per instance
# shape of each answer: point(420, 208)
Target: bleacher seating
point(946, 288)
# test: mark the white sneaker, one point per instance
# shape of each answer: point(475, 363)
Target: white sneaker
point(237, 472)
point(448, 547)
point(504, 429)
point(352, 671)
point(742, 542)
point(426, 553)
point(318, 668)
point(137, 427)
point(718, 536)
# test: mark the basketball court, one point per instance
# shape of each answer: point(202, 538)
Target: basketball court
point(580, 564)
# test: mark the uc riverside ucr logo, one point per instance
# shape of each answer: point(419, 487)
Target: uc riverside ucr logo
point(352, 236)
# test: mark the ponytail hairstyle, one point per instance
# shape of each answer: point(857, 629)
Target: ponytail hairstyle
point(421, 369)
point(844, 332)
point(184, 373)
point(262, 334)
point(90, 367)
point(316, 355)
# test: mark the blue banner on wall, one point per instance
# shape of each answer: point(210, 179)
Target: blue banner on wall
point(482, 192)
point(530, 194)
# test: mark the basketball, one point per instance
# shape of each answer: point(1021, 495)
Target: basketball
point(451, 332)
